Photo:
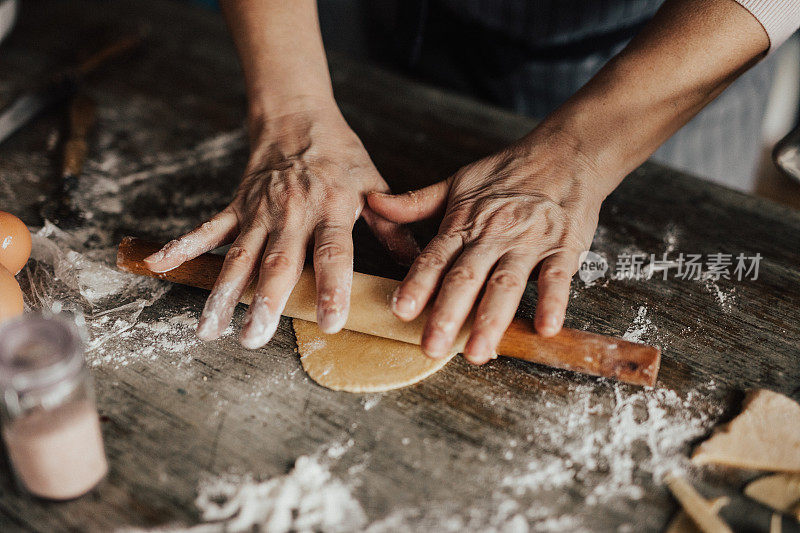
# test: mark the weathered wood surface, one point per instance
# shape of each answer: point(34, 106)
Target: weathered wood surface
point(433, 452)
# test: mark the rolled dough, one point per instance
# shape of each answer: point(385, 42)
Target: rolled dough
point(356, 362)
point(765, 436)
point(373, 314)
point(780, 491)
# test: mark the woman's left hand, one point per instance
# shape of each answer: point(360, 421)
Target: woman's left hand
point(535, 202)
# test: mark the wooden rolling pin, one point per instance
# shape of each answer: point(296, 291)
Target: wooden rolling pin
point(571, 349)
point(81, 119)
point(62, 211)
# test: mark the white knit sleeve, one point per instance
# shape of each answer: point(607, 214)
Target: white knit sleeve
point(780, 18)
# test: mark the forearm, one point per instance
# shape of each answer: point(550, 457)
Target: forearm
point(688, 54)
point(281, 52)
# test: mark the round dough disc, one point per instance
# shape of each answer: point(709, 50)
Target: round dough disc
point(355, 362)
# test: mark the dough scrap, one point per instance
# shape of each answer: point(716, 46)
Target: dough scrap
point(356, 362)
point(779, 491)
point(764, 436)
point(701, 512)
point(683, 523)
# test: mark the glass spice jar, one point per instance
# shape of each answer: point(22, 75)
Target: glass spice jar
point(49, 419)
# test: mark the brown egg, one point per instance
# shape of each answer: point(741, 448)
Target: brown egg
point(10, 296)
point(15, 243)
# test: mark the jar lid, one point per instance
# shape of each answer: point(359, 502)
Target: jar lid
point(38, 352)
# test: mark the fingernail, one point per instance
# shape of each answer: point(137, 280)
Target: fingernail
point(549, 325)
point(210, 325)
point(207, 326)
point(402, 304)
point(260, 325)
point(330, 320)
point(478, 351)
point(155, 258)
point(172, 249)
point(332, 307)
point(437, 346)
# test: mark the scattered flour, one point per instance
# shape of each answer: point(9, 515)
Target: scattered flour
point(313, 345)
point(641, 328)
point(671, 239)
point(218, 147)
point(94, 278)
point(64, 276)
point(645, 435)
point(115, 180)
point(371, 400)
point(170, 338)
point(504, 516)
point(308, 498)
point(724, 298)
point(336, 450)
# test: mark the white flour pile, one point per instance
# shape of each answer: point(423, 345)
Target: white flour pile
point(618, 452)
point(308, 498)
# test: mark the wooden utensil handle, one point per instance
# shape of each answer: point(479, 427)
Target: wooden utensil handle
point(583, 351)
point(81, 118)
point(576, 350)
point(117, 48)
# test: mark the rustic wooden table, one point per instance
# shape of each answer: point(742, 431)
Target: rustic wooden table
point(509, 445)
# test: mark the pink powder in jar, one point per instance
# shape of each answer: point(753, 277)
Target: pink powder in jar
point(58, 454)
point(50, 423)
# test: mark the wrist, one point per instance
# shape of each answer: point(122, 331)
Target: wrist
point(269, 107)
point(294, 131)
point(292, 117)
point(566, 150)
point(613, 123)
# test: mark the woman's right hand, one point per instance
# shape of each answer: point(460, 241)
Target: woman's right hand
point(307, 180)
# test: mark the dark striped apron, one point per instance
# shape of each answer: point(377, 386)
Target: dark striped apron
point(530, 56)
